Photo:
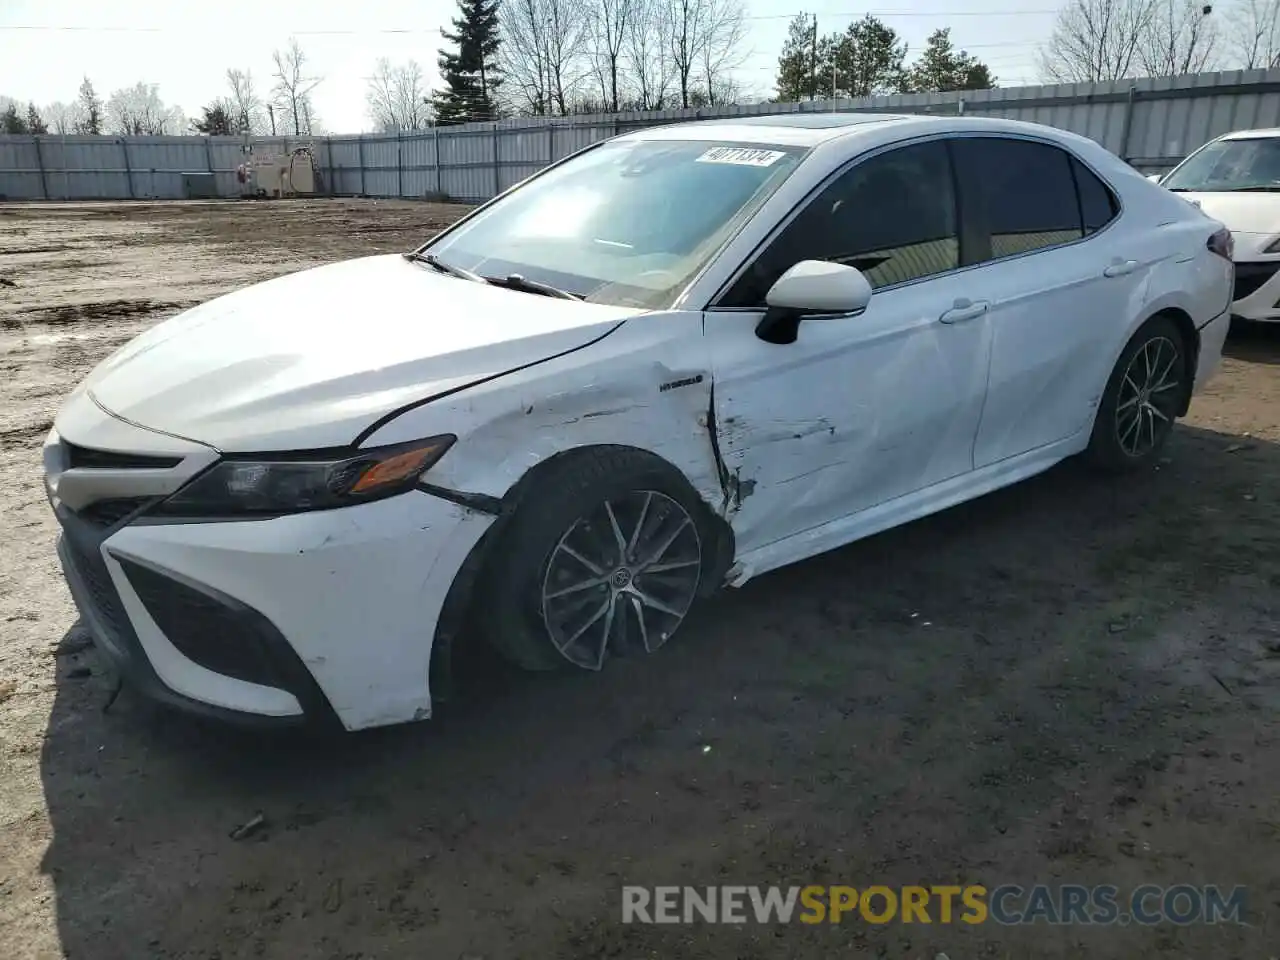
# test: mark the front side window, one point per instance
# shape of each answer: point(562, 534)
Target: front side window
point(628, 223)
point(1251, 164)
point(893, 216)
point(1022, 193)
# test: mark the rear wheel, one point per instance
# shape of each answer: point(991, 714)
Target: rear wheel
point(1142, 399)
point(604, 556)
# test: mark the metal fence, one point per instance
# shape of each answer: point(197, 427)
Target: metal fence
point(1151, 122)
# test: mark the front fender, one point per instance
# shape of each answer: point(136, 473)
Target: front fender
point(648, 385)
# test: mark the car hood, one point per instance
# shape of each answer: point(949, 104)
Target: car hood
point(1252, 218)
point(310, 359)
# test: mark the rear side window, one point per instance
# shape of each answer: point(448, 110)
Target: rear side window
point(1098, 205)
point(1020, 193)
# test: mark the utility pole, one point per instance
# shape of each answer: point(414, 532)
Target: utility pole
point(271, 112)
point(813, 61)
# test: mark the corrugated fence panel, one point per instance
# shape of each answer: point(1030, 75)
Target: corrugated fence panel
point(427, 178)
point(467, 170)
point(1152, 122)
point(381, 167)
point(86, 168)
point(21, 162)
point(418, 158)
point(157, 164)
point(345, 174)
point(228, 154)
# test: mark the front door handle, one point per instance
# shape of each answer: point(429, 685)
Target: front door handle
point(1120, 268)
point(965, 310)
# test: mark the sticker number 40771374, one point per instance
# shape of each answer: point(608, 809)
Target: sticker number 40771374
point(742, 156)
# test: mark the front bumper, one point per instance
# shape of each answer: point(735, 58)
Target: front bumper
point(324, 617)
point(1257, 290)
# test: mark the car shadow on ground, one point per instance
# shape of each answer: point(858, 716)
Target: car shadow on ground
point(997, 693)
point(1254, 342)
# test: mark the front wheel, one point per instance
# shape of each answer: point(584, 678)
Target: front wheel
point(1142, 399)
point(604, 556)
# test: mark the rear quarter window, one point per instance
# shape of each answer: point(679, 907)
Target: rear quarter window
point(1098, 205)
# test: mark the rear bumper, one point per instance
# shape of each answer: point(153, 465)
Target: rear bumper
point(1209, 358)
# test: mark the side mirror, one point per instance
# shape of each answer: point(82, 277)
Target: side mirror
point(1155, 177)
point(811, 288)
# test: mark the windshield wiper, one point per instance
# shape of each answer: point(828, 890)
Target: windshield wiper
point(514, 281)
point(1270, 188)
point(431, 260)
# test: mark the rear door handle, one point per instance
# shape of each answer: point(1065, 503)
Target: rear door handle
point(965, 310)
point(1119, 268)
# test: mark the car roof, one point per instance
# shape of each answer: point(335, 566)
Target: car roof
point(788, 129)
point(815, 129)
point(1263, 133)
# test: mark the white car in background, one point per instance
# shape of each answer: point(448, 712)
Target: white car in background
point(673, 361)
point(1236, 179)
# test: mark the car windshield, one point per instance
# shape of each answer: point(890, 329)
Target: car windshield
point(1249, 164)
point(627, 223)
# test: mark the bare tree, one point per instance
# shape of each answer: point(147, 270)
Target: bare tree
point(683, 42)
point(398, 97)
point(524, 56)
point(1096, 40)
point(62, 118)
point(545, 53)
point(1180, 38)
point(1253, 34)
point(610, 27)
point(705, 42)
point(139, 111)
point(724, 30)
point(293, 87)
point(248, 112)
point(649, 53)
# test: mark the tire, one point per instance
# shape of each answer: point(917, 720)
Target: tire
point(1124, 440)
point(562, 518)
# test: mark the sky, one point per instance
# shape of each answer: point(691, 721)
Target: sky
point(47, 46)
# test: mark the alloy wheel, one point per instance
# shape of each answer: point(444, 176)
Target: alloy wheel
point(622, 577)
point(1148, 398)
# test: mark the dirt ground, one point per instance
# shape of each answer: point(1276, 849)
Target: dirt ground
point(1075, 680)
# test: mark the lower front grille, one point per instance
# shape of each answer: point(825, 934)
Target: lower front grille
point(102, 592)
point(1251, 276)
point(214, 634)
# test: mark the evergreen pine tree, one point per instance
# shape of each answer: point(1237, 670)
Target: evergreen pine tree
point(801, 76)
point(11, 121)
point(470, 70)
point(34, 122)
point(942, 67)
point(90, 110)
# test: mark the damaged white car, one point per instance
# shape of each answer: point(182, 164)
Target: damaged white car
point(670, 362)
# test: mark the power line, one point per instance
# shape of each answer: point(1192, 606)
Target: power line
point(887, 14)
point(881, 14)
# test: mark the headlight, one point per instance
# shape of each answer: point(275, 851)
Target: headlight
point(295, 483)
point(1273, 246)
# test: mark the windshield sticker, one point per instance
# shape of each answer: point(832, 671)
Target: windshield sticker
point(742, 156)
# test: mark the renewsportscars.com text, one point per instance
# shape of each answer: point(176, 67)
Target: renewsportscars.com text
point(1008, 904)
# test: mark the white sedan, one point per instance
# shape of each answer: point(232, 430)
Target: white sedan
point(673, 361)
point(1236, 180)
